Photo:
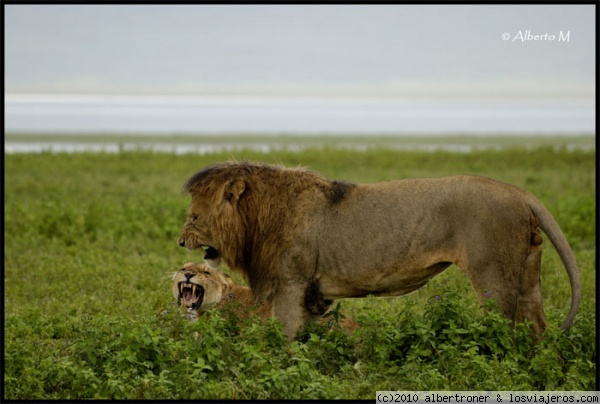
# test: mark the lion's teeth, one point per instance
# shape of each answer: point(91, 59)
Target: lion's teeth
point(193, 289)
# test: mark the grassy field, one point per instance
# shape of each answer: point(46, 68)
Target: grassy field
point(90, 247)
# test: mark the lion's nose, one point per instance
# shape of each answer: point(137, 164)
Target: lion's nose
point(189, 275)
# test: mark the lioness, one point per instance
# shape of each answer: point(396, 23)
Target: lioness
point(201, 288)
point(292, 232)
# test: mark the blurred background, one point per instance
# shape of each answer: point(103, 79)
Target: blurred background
point(281, 70)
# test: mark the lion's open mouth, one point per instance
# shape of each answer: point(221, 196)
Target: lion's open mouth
point(210, 253)
point(191, 294)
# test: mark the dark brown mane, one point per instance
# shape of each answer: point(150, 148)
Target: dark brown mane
point(222, 172)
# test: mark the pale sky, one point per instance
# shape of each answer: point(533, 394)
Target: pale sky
point(398, 50)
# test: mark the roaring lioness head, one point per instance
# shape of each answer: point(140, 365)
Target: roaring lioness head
point(200, 287)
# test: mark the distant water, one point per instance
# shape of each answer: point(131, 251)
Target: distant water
point(292, 115)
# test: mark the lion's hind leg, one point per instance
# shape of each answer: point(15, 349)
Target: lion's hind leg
point(529, 305)
point(513, 280)
point(495, 275)
point(491, 282)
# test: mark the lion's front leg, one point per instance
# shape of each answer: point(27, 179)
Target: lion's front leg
point(289, 307)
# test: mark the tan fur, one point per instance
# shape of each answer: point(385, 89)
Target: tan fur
point(220, 291)
point(302, 240)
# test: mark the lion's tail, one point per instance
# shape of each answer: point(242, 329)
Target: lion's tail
point(561, 244)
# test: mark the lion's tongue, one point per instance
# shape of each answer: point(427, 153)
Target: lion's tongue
point(189, 297)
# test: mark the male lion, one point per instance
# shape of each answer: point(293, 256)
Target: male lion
point(202, 288)
point(295, 234)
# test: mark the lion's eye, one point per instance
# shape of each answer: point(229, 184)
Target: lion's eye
point(206, 273)
point(194, 219)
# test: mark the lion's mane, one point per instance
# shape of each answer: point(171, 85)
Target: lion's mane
point(268, 214)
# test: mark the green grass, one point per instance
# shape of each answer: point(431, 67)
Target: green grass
point(90, 246)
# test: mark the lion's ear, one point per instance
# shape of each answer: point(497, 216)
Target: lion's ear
point(234, 190)
point(226, 280)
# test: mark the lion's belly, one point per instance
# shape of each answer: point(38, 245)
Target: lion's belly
point(384, 282)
